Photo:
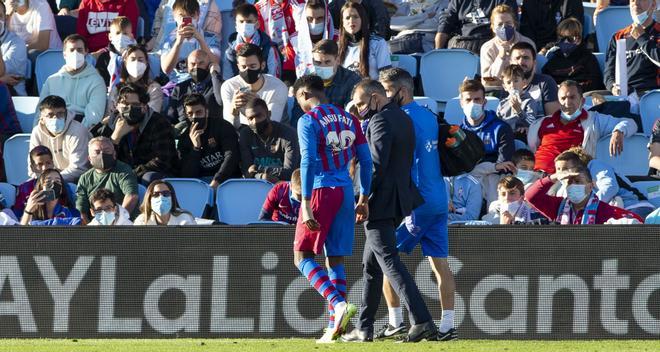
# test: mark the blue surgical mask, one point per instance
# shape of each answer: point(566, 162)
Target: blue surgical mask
point(325, 73)
point(639, 18)
point(316, 28)
point(576, 193)
point(105, 217)
point(246, 30)
point(473, 111)
point(54, 126)
point(505, 33)
point(572, 116)
point(525, 176)
point(161, 205)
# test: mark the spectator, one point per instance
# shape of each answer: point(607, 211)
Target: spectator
point(269, 150)
point(107, 173)
point(642, 51)
point(337, 80)
point(540, 18)
point(165, 24)
point(95, 16)
point(41, 158)
point(495, 54)
point(177, 42)
point(518, 109)
point(208, 147)
point(467, 23)
point(135, 69)
point(33, 21)
point(654, 150)
point(204, 80)
point(465, 198)
point(9, 124)
point(7, 217)
point(14, 56)
point(78, 83)
point(510, 207)
point(610, 187)
point(603, 4)
point(581, 205)
point(379, 19)
point(160, 207)
point(283, 201)
point(57, 130)
point(252, 83)
point(313, 26)
point(109, 60)
point(143, 138)
point(574, 126)
point(524, 160)
point(106, 211)
point(541, 87)
point(69, 8)
point(50, 204)
point(571, 59)
point(360, 50)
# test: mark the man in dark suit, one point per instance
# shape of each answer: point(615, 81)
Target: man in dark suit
point(391, 138)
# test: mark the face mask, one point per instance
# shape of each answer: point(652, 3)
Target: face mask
point(246, 30)
point(122, 42)
point(325, 73)
point(525, 176)
point(105, 218)
point(103, 161)
point(199, 74)
point(260, 127)
point(572, 116)
point(250, 76)
point(55, 126)
point(473, 111)
point(161, 205)
point(576, 193)
point(639, 18)
point(367, 112)
point(513, 207)
point(133, 116)
point(57, 189)
point(74, 60)
point(566, 47)
point(316, 28)
point(136, 69)
point(505, 33)
point(397, 97)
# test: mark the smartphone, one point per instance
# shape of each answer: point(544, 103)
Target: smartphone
point(186, 21)
point(50, 195)
point(198, 120)
point(244, 89)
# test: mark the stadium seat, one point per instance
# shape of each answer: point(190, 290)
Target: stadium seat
point(239, 201)
point(72, 188)
point(520, 144)
point(15, 156)
point(265, 222)
point(289, 107)
point(142, 190)
point(541, 60)
point(443, 70)
point(588, 25)
point(25, 110)
point(601, 61)
point(427, 103)
point(193, 195)
point(454, 114)
point(649, 109)
point(47, 63)
point(608, 22)
point(9, 193)
point(651, 189)
point(140, 27)
point(406, 62)
point(633, 160)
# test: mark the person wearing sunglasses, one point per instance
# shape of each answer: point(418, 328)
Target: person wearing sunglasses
point(160, 207)
point(105, 211)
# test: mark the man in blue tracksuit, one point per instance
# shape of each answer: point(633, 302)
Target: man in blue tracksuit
point(427, 225)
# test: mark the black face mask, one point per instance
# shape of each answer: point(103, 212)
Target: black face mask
point(57, 189)
point(396, 98)
point(103, 161)
point(261, 127)
point(250, 76)
point(371, 112)
point(133, 116)
point(199, 74)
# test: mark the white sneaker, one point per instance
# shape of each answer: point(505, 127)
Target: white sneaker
point(327, 337)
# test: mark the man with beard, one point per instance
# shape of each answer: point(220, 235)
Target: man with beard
point(541, 87)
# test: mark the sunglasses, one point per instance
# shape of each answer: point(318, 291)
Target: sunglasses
point(161, 193)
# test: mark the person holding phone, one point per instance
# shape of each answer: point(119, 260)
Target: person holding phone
point(208, 145)
point(50, 204)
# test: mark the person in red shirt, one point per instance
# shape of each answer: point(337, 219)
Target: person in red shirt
point(581, 206)
point(95, 16)
point(283, 201)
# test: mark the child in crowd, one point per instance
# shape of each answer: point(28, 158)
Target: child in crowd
point(465, 199)
point(524, 161)
point(510, 207)
point(518, 109)
point(109, 62)
point(283, 201)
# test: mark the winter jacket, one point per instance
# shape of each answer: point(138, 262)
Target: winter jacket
point(470, 17)
point(540, 18)
point(497, 136)
point(580, 66)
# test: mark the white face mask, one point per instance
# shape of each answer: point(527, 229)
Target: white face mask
point(576, 193)
point(246, 30)
point(122, 42)
point(316, 28)
point(639, 18)
point(136, 69)
point(74, 60)
point(513, 207)
point(473, 111)
point(325, 73)
point(105, 217)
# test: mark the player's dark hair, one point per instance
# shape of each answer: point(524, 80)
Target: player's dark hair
point(398, 78)
point(370, 86)
point(312, 83)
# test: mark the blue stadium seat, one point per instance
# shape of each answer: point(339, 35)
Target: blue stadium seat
point(406, 62)
point(15, 156)
point(633, 160)
point(651, 189)
point(239, 201)
point(72, 188)
point(443, 70)
point(649, 109)
point(257, 223)
point(454, 114)
point(601, 61)
point(427, 103)
point(140, 27)
point(541, 60)
point(193, 195)
point(26, 111)
point(9, 193)
point(289, 107)
point(142, 190)
point(47, 63)
point(608, 22)
point(588, 27)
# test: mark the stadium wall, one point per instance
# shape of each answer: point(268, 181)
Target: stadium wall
point(514, 282)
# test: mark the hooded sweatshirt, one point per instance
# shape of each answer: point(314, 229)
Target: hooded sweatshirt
point(497, 136)
point(69, 148)
point(84, 93)
point(123, 219)
point(95, 16)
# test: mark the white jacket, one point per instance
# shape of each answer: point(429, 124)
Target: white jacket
point(595, 126)
point(69, 148)
point(181, 219)
point(124, 218)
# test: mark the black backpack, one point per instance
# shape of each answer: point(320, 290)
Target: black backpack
point(462, 156)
